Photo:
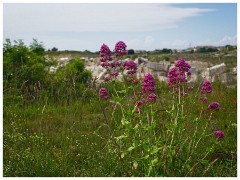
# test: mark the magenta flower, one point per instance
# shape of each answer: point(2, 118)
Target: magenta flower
point(152, 97)
point(181, 77)
point(138, 93)
point(203, 99)
point(182, 65)
point(103, 93)
point(105, 97)
point(184, 94)
point(172, 76)
point(105, 64)
point(148, 84)
point(175, 90)
point(219, 134)
point(131, 66)
point(106, 78)
point(129, 80)
point(118, 63)
point(179, 73)
point(190, 88)
point(175, 76)
point(135, 81)
point(105, 53)
point(206, 87)
point(114, 73)
point(106, 61)
point(113, 65)
point(131, 71)
point(120, 48)
point(139, 103)
point(214, 105)
point(144, 99)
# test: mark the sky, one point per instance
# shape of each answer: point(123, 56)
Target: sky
point(142, 26)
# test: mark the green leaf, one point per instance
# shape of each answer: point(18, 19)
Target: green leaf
point(146, 147)
point(188, 167)
point(196, 120)
point(146, 157)
point(134, 110)
point(124, 122)
point(182, 119)
point(118, 99)
point(175, 126)
point(131, 148)
point(154, 162)
point(122, 92)
point(121, 137)
point(155, 150)
point(203, 161)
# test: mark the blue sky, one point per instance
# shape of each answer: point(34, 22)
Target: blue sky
point(140, 26)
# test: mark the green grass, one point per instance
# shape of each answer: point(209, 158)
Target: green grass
point(53, 140)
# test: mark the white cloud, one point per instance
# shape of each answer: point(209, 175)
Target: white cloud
point(146, 42)
point(226, 40)
point(179, 43)
point(150, 43)
point(149, 40)
point(40, 18)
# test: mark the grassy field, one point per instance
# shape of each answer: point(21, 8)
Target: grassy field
point(52, 138)
point(59, 124)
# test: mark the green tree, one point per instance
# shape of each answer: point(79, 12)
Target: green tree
point(131, 51)
point(54, 49)
point(37, 47)
point(14, 57)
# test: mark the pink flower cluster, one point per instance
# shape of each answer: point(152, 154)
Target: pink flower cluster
point(219, 134)
point(105, 53)
point(115, 64)
point(107, 61)
point(139, 103)
point(114, 73)
point(206, 87)
point(148, 84)
point(103, 93)
point(214, 105)
point(184, 94)
point(182, 65)
point(131, 66)
point(152, 97)
point(204, 99)
point(120, 49)
point(179, 73)
point(134, 81)
point(190, 88)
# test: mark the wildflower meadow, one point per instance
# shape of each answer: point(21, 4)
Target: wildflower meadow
point(125, 127)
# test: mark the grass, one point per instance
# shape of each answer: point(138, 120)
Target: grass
point(53, 140)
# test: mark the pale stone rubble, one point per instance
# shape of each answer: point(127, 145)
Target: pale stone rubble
point(62, 61)
point(199, 70)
